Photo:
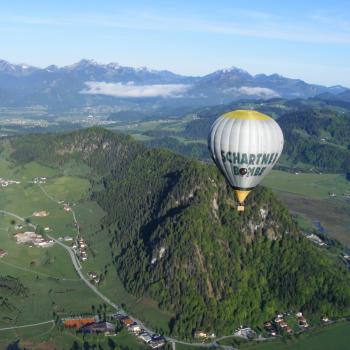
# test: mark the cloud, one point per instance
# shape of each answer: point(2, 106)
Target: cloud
point(132, 90)
point(253, 91)
point(306, 29)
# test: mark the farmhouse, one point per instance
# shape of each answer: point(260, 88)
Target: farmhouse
point(200, 334)
point(145, 336)
point(135, 328)
point(2, 253)
point(98, 327)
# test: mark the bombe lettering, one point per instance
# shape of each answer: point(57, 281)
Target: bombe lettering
point(254, 163)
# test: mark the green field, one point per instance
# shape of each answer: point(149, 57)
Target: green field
point(48, 273)
point(306, 194)
point(336, 336)
point(308, 184)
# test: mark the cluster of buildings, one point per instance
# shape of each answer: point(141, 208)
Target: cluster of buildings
point(5, 183)
point(155, 341)
point(34, 239)
point(80, 248)
point(39, 180)
point(89, 325)
point(279, 324)
point(282, 324)
point(2, 253)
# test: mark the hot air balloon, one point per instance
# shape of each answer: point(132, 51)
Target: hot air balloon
point(245, 145)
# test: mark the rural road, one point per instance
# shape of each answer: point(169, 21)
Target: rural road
point(77, 267)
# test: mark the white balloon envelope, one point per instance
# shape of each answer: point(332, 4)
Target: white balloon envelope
point(245, 145)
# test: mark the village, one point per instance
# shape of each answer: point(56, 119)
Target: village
point(33, 239)
point(93, 325)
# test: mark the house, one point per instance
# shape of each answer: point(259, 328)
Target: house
point(200, 334)
point(2, 253)
point(98, 327)
point(155, 344)
point(145, 336)
point(127, 321)
point(135, 328)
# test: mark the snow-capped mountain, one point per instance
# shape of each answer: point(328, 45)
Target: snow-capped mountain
point(89, 83)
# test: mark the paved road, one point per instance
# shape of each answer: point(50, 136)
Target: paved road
point(77, 267)
point(26, 325)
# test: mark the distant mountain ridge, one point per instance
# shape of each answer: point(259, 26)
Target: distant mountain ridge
point(89, 83)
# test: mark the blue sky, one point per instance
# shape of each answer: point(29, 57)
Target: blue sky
point(300, 39)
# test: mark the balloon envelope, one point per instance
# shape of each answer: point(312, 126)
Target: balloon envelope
point(245, 145)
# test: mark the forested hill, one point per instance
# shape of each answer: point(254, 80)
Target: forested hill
point(316, 133)
point(175, 236)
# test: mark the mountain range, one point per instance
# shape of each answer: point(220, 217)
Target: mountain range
point(88, 83)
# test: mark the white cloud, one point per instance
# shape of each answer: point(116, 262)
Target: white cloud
point(132, 90)
point(253, 91)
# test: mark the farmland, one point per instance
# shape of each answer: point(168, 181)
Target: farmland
point(307, 194)
point(335, 336)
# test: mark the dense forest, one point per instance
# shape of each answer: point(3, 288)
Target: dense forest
point(175, 236)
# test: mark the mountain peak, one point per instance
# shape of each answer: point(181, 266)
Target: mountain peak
point(83, 63)
point(8, 67)
point(232, 71)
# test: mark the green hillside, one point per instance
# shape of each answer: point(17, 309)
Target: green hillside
point(174, 235)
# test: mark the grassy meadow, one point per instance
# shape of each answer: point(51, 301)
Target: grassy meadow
point(306, 194)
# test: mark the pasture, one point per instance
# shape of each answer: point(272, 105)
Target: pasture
point(335, 336)
point(307, 195)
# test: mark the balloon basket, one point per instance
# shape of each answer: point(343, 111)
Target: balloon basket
point(240, 208)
